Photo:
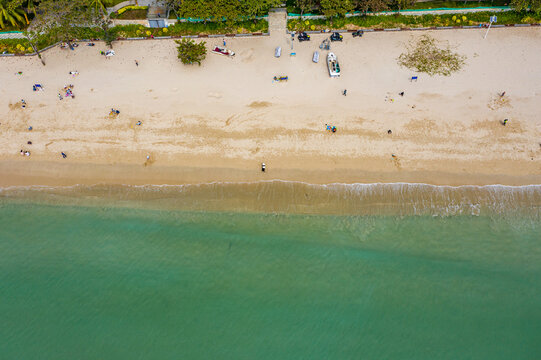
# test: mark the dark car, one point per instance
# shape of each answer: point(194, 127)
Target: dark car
point(358, 33)
point(336, 37)
point(303, 36)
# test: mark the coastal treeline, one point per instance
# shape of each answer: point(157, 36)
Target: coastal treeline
point(19, 14)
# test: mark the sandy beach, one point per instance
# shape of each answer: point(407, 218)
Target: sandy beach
point(220, 120)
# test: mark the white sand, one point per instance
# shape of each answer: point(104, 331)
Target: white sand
point(229, 114)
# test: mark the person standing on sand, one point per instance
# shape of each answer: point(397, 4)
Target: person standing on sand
point(505, 122)
point(136, 63)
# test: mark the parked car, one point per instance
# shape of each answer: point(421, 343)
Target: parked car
point(278, 51)
point(303, 37)
point(336, 37)
point(358, 33)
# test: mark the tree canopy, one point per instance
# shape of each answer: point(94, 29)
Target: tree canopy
point(190, 52)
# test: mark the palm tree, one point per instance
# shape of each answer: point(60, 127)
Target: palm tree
point(10, 13)
point(102, 4)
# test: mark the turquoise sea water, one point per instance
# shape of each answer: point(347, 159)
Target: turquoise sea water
point(100, 282)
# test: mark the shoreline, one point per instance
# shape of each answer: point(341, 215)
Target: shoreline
point(47, 173)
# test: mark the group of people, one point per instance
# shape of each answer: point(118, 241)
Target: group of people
point(330, 128)
point(68, 91)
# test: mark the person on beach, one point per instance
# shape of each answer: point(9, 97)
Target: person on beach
point(505, 122)
point(401, 93)
point(23, 103)
point(29, 142)
point(224, 42)
point(502, 94)
point(30, 128)
point(345, 92)
point(136, 63)
point(389, 132)
point(64, 155)
point(138, 123)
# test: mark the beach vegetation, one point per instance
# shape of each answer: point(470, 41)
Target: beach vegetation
point(411, 21)
point(11, 13)
point(334, 8)
point(425, 55)
point(527, 5)
point(131, 13)
point(191, 52)
point(62, 19)
point(305, 5)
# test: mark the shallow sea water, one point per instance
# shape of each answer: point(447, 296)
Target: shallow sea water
point(104, 282)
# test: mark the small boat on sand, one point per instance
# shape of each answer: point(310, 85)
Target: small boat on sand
point(223, 51)
point(332, 64)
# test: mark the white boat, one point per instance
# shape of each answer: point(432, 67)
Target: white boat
point(223, 51)
point(332, 64)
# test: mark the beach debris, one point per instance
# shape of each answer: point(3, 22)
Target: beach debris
point(425, 55)
point(114, 112)
point(414, 78)
point(278, 52)
point(73, 73)
point(315, 57)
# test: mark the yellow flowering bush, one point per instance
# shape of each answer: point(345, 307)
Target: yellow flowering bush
point(165, 30)
point(131, 7)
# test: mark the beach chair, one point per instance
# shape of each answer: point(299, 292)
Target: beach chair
point(414, 78)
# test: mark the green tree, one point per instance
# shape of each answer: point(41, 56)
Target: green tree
point(190, 52)
point(402, 4)
point(63, 19)
point(305, 5)
point(252, 8)
point(372, 5)
point(525, 5)
point(225, 9)
point(11, 12)
point(332, 8)
point(194, 9)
